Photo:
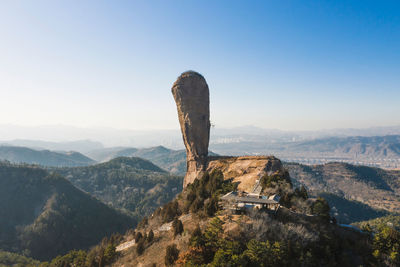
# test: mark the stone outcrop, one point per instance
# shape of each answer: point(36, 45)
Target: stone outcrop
point(247, 170)
point(192, 100)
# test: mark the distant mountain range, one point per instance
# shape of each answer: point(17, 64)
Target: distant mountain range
point(110, 137)
point(171, 160)
point(43, 215)
point(379, 151)
point(249, 142)
point(374, 146)
point(81, 146)
point(43, 157)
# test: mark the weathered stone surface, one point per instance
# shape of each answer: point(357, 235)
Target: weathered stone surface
point(245, 170)
point(192, 100)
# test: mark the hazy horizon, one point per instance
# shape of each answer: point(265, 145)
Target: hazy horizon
point(245, 126)
point(171, 138)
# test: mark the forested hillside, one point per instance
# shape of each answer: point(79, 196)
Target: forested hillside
point(375, 224)
point(349, 211)
point(8, 259)
point(43, 215)
point(300, 233)
point(130, 183)
point(351, 189)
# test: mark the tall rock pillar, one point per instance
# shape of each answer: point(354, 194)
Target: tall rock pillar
point(193, 103)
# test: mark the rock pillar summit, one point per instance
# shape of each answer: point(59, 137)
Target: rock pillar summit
point(192, 99)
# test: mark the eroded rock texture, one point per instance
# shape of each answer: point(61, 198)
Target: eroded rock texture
point(193, 103)
point(245, 170)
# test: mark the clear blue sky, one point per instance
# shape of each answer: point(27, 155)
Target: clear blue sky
point(275, 64)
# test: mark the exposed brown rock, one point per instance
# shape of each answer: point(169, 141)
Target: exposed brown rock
point(245, 170)
point(192, 100)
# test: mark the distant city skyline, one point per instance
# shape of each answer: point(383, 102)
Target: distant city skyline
point(278, 65)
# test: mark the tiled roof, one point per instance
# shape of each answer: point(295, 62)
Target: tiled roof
point(233, 196)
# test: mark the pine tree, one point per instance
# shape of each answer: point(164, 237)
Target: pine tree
point(177, 227)
point(171, 255)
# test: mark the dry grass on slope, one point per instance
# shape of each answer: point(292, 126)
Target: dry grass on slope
point(155, 253)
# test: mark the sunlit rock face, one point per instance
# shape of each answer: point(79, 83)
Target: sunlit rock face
point(245, 170)
point(193, 103)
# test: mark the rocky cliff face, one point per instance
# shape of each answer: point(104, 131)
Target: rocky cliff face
point(192, 100)
point(245, 170)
